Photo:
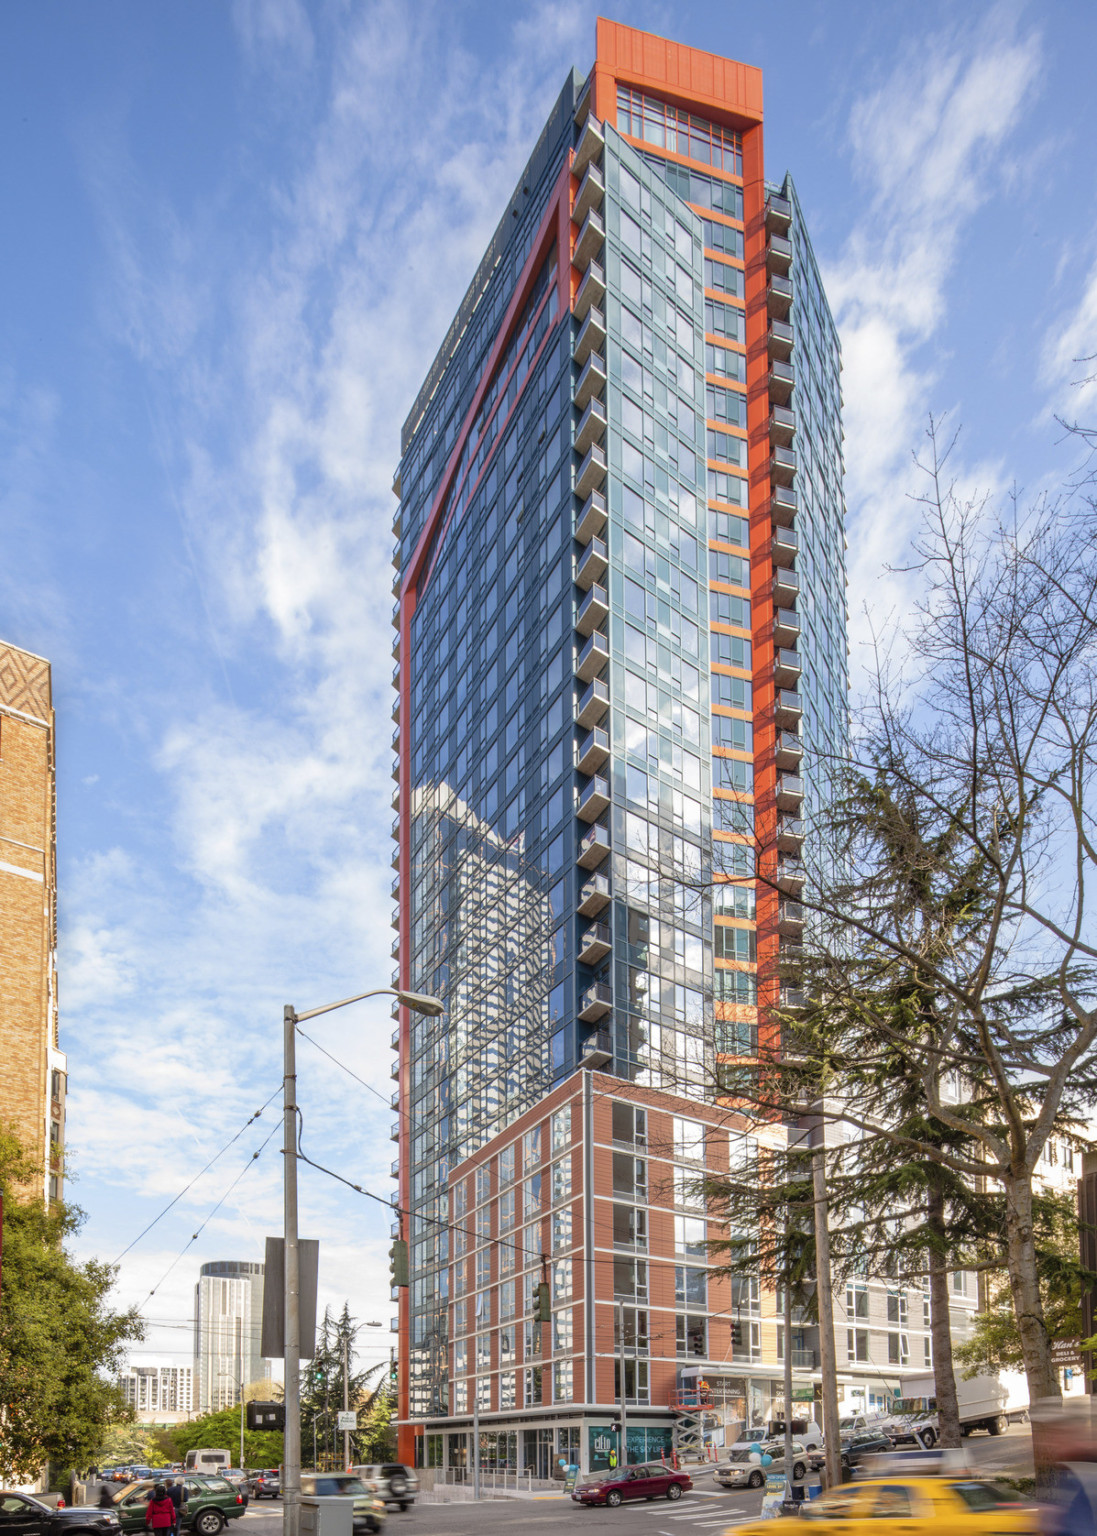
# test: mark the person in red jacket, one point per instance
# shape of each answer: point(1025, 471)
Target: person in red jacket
point(159, 1511)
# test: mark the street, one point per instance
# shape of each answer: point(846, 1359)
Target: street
point(700, 1513)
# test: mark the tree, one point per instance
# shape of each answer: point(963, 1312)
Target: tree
point(221, 1431)
point(322, 1384)
point(956, 887)
point(139, 1444)
point(61, 1345)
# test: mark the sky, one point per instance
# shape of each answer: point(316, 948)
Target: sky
point(234, 234)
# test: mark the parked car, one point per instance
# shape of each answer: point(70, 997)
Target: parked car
point(268, 1484)
point(369, 1507)
point(956, 1506)
point(239, 1479)
point(855, 1448)
point(396, 1484)
point(739, 1471)
point(208, 1504)
point(23, 1515)
point(651, 1481)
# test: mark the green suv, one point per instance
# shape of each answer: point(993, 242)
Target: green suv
point(208, 1504)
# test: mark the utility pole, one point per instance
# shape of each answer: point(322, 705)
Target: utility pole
point(291, 1443)
point(824, 1297)
point(788, 1375)
point(346, 1401)
point(475, 1436)
point(241, 1425)
point(622, 1459)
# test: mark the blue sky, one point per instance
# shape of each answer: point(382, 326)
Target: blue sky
point(234, 236)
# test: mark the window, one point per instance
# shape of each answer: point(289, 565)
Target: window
point(630, 1125)
point(563, 1331)
point(689, 1237)
point(561, 1230)
point(857, 1344)
point(531, 1387)
point(531, 1203)
point(460, 1358)
point(506, 1390)
point(959, 1282)
point(483, 1352)
point(635, 1322)
point(561, 1128)
point(689, 1140)
point(691, 1334)
point(746, 1339)
point(506, 1344)
point(532, 1242)
point(630, 1279)
point(927, 1351)
point(690, 1288)
point(506, 1211)
point(531, 1149)
point(898, 1349)
point(483, 1183)
point(897, 1307)
point(563, 1383)
point(687, 1190)
point(636, 1380)
point(561, 1180)
point(630, 1227)
point(506, 1300)
point(630, 1176)
point(561, 1280)
point(856, 1301)
point(506, 1165)
point(483, 1268)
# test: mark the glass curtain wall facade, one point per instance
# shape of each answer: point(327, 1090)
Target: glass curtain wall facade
point(593, 689)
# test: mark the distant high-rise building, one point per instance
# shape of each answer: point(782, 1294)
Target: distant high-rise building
point(33, 1082)
point(621, 645)
point(228, 1319)
point(159, 1394)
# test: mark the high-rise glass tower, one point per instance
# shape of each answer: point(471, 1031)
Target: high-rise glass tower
point(620, 629)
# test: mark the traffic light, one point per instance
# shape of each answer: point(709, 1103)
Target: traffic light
point(316, 1375)
point(398, 1262)
point(266, 1416)
point(542, 1311)
point(394, 1371)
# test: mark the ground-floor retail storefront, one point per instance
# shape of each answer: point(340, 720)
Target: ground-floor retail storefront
point(544, 1449)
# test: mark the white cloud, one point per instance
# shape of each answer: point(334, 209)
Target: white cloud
point(929, 146)
point(1069, 361)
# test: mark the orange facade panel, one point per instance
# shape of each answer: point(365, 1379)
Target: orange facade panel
point(722, 89)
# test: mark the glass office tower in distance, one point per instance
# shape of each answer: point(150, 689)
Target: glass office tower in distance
point(620, 632)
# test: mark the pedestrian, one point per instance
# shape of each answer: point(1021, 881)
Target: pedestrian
point(106, 1498)
point(159, 1511)
point(175, 1494)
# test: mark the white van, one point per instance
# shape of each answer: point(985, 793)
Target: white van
point(208, 1461)
point(806, 1431)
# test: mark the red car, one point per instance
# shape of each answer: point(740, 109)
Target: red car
point(653, 1481)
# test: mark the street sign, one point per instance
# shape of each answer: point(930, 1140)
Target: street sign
point(346, 1419)
point(1066, 1352)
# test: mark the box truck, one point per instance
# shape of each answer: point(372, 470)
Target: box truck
point(988, 1401)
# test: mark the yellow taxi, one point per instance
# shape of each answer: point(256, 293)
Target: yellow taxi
point(912, 1506)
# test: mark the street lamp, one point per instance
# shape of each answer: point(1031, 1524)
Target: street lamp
point(291, 1455)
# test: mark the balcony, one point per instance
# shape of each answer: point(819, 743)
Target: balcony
point(394, 1168)
point(593, 704)
point(593, 750)
point(594, 896)
point(782, 466)
point(778, 214)
point(790, 707)
point(394, 1043)
point(783, 505)
point(790, 791)
point(594, 800)
point(595, 944)
point(782, 378)
point(786, 668)
point(395, 921)
point(396, 710)
point(805, 1359)
point(783, 548)
point(592, 519)
point(790, 834)
point(790, 918)
point(394, 1102)
point(593, 657)
point(790, 750)
point(592, 379)
point(593, 847)
point(596, 1049)
point(782, 424)
point(779, 297)
point(592, 290)
point(592, 334)
point(786, 584)
point(790, 873)
point(593, 610)
point(394, 948)
point(590, 146)
point(786, 626)
point(596, 1002)
point(591, 194)
point(592, 425)
point(778, 253)
point(394, 1131)
point(592, 472)
point(590, 239)
point(593, 565)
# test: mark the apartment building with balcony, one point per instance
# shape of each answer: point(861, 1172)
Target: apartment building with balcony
point(619, 634)
point(159, 1393)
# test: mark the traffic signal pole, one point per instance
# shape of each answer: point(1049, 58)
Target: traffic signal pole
point(291, 1443)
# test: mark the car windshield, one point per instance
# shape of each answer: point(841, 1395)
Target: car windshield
point(332, 1487)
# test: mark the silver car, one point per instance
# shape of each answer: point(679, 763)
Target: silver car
point(739, 1471)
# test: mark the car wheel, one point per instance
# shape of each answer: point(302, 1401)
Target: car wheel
point(799, 1472)
point(674, 1491)
point(397, 1487)
point(999, 1425)
point(405, 1507)
point(210, 1522)
point(929, 1438)
point(756, 1479)
point(613, 1498)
